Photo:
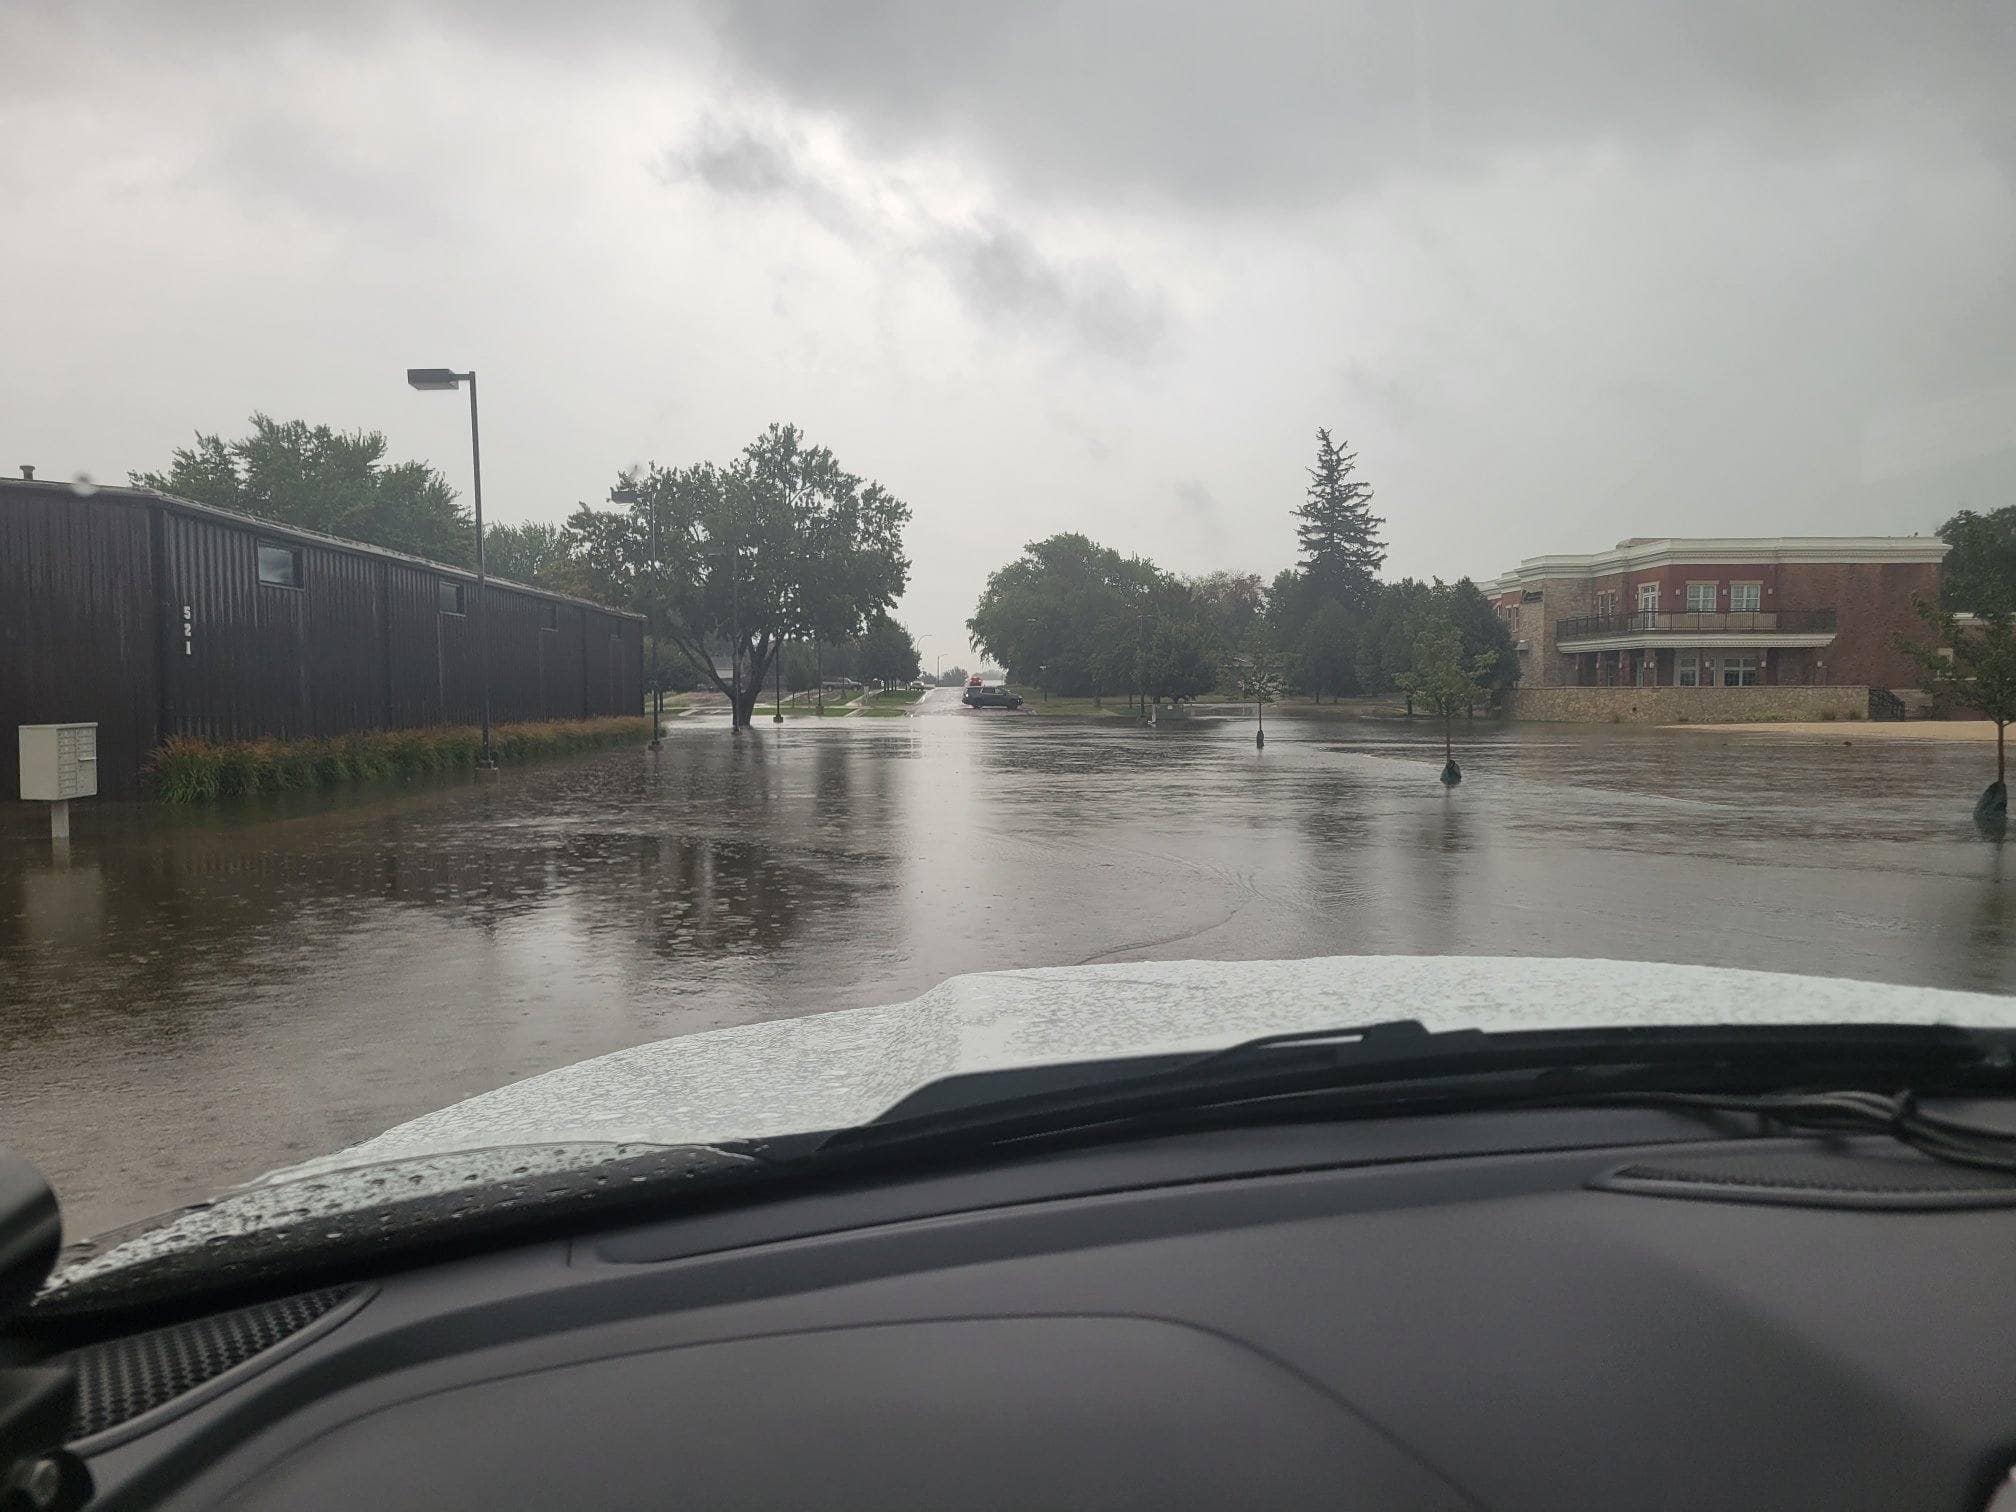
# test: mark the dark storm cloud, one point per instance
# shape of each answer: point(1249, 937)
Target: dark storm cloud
point(1276, 102)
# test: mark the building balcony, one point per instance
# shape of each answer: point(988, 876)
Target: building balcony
point(1696, 627)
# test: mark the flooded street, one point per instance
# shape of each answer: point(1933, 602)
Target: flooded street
point(193, 999)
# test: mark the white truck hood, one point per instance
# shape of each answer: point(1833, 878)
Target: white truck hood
point(839, 1068)
point(833, 1069)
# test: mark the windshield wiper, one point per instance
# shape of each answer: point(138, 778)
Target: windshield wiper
point(1402, 1066)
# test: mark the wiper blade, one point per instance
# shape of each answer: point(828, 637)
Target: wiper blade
point(1407, 1059)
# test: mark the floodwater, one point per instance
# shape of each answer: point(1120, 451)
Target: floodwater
point(186, 1001)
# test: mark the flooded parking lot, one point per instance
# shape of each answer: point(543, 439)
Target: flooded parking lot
point(187, 1000)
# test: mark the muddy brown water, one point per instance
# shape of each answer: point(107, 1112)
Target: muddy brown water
point(188, 1000)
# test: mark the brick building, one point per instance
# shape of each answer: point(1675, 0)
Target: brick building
point(1714, 612)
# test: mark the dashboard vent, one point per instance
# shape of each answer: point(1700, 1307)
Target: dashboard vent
point(120, 1379)
point(1842, 1177)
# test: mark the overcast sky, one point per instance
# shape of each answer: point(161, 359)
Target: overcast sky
point(1560, 274)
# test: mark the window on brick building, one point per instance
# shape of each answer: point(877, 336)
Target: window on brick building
point(1746, 595)
point(1648, 598)
point(1700, 596)
point(1687, 669)
point(1739, 671)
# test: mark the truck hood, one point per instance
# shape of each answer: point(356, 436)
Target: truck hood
point(683, 1097)
point(833, 1069)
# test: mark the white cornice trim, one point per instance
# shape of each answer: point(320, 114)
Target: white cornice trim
point(1737, 550)
point(1695, 640)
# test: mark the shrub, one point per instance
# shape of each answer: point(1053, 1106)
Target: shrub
point(185, 769)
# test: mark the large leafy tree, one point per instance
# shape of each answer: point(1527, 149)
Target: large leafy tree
point(533, 552)
point(1979, 573)
point(886, 653)
point(336, 482)
point(781, 544)
point(1050, 616)
point(1339, 534)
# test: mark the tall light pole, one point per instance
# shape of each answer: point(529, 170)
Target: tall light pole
point(629, 495)
point(448, 378)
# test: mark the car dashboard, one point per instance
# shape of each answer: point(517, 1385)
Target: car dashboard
point(1540, 1309)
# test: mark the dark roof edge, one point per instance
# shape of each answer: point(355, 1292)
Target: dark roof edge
point(124, 494)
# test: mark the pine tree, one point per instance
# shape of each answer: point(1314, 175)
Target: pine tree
point(1341, 549)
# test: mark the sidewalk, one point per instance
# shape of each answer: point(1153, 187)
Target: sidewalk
point(1907, 729)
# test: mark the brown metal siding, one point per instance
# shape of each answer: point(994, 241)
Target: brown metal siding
point(362, 644)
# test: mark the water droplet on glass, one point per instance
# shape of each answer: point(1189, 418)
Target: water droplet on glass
point(82, 486)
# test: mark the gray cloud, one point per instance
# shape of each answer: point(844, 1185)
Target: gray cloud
point(1278, 102)
point(997, 270)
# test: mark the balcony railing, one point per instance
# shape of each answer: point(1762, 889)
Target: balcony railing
point(1698, 622)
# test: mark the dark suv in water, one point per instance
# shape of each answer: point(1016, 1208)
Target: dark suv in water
point(991, 698)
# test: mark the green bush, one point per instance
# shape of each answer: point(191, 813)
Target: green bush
point(188, 770)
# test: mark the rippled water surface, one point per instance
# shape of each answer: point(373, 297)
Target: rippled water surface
point(187, 1001)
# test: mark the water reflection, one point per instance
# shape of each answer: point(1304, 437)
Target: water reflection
point(186, 1001)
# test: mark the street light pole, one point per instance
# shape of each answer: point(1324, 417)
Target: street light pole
point(447, 378)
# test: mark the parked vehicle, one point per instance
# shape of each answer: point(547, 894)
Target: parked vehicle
point(997, 697)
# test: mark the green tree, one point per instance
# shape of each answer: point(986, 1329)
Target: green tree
point(1442, 679)
point(1330, 650)
point(952, 677)
point(533, 552)
point(1051, 617)
point(1979, 573)
point(783, 543)
point(335, 482)
point(887, 653)
point(1234, 602)
point(1972, 663)
point(1339, 534)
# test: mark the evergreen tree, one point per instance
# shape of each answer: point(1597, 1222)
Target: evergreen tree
point(1339, 534)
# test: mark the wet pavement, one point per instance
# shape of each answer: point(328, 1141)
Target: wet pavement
point(189, 1000)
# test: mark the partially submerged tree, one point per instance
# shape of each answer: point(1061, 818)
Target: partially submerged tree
point(1972, 664)
point(783, 543)
point(1446, 682)
point(335, 482)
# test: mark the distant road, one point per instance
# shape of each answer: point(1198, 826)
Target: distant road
point(939, 701)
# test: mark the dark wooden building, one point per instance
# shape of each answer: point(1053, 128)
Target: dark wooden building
point(158, 617)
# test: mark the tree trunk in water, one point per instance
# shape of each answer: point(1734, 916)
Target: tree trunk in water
point(744, 706)
point(1447, 753)
point(2001, 768)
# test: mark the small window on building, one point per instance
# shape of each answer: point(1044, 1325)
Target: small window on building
point(1687, 669)
point(549, 616)
point(451, 596)
point(1739, 671)
point(279, 566)
point(1746, 595)
point(1648, 598)
point(1530, 596)
point(1700, 596)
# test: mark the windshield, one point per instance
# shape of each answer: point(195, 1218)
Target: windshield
point(668, 576)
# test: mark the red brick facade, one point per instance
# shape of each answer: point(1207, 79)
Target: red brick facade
point(1789, 610)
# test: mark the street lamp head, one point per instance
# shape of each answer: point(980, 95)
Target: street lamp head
point(625, 496)
point(434, 378)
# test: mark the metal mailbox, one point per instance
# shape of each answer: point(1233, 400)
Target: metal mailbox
point(59, 762)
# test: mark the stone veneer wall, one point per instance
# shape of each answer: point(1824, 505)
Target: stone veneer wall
point(1691, 705)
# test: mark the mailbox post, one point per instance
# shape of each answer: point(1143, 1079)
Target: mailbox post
point(59, 762)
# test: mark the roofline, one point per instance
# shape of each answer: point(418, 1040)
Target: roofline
point(1739, 550)
point(125, 494)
